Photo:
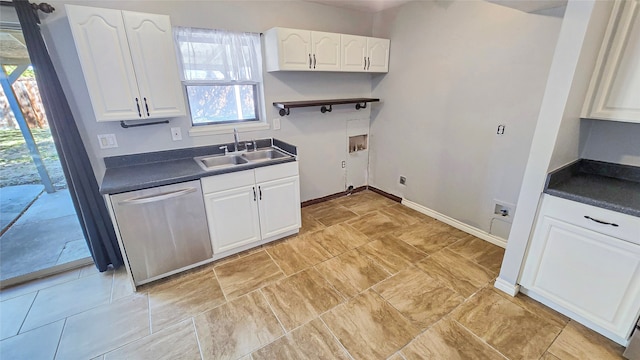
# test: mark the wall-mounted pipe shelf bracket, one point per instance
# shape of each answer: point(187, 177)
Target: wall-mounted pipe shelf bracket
point(325, 105)
point(325, 109)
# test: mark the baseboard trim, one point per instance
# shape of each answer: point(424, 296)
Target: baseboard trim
point(507, 287)
point(456, 223)
point(385, 194)
point(332, 196)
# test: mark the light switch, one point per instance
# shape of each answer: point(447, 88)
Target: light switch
point(107, 141)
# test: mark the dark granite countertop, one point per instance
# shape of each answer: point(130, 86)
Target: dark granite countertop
point(140, 171)
point(606, 185)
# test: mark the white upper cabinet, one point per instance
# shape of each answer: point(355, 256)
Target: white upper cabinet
point(304, 50)
point(364, 54)
point(354, 53)
point(154, 60)
point(325, 51)
point(129, 63)
point(614, 92)
point(378, 55)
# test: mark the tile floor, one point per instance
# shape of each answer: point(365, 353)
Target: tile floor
point(365, 279)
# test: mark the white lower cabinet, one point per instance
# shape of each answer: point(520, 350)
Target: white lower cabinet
point(579, 267)
point(252, 206)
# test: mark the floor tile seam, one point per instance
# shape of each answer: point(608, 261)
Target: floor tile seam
point(113, 282)
point(466, 257)
point(26, 314)
point(335, 337)
point(64, 326)
point(149, 313)
point(195, 331)
point(548, 348)
point(491, 287)
point(66, 316)
point(279, 269)
point(284, 330)
point(480, 338)
point(333, 287)
point(447, 285)
point(226, 300)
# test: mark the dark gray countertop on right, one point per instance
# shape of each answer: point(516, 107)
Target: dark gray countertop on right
point(606, 185)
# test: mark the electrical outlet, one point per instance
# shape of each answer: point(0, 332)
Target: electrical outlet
point(176, 133)
point(500, 129)
point(276, 124)
point(503, 209)
point(107, 141)
point(403, 180)
point(344, 164)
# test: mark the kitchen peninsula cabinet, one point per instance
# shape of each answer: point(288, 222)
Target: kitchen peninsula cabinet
point(614, 91)
point(252, 206)
point(129, 63)
point(584, 261)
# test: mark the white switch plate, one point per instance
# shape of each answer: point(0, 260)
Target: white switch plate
point(276, 124)
point(176, 133)
point(107, 141)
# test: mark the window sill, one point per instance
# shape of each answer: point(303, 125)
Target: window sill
point(226, 129)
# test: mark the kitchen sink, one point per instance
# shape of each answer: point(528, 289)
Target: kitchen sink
point(214, 162)
point(263, 155)
point(217, 162)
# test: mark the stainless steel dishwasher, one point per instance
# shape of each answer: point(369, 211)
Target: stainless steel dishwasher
point(162, 229)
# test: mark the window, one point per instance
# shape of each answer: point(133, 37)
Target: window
point(222, 73)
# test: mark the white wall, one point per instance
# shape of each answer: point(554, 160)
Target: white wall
point(458, 69)
point(321, 138)
point(612, 141)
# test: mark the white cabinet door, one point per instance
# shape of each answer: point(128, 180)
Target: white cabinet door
point(354, 53)
point(232, 216)
point(101, 41)
point(154, 60)
point(325, 51)
point(614, 92)
point(378, 55)
point(294, 47)
point(279, 204)
point(590, 274)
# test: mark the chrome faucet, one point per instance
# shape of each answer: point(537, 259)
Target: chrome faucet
point(235, 137)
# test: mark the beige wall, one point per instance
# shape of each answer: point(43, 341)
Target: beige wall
point(321, 138)
point(458, 70)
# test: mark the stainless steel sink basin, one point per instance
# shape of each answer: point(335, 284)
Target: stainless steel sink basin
point(214, 162)
point(217, 162)
point(263, 155)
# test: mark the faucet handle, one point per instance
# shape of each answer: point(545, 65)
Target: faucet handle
point(226, 149)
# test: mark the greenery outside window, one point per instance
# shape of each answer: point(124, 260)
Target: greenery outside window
point(222, 75)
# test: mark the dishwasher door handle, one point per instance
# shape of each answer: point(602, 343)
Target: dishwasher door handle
point(159, 197)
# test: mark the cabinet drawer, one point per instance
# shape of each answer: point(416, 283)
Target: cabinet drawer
point(227, 181)
point(573, 212)
point(274, 172)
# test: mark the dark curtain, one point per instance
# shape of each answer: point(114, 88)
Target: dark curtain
point(90, 207)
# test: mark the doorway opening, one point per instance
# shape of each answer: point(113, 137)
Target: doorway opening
point(39, 230)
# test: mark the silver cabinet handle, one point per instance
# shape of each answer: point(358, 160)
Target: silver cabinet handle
point(309, 61)
point(600, 221)
point(158, 197)
point(138, 106)
point(369, 66)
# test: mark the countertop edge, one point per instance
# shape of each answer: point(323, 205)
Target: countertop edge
point(593, 202)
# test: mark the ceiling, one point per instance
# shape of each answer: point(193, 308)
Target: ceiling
point(379, 5)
